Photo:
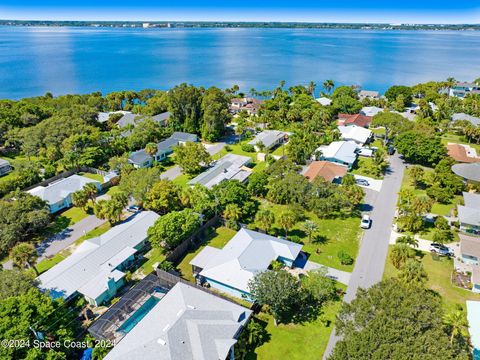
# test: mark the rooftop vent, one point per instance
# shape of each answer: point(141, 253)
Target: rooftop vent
point(161, 341)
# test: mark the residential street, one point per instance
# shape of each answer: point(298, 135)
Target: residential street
point(372, 254)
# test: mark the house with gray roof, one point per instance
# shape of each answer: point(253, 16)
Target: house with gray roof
point(140, 158)
point(58, 194)
point(368, 94)
point(5, 167)
point(469, 214)
point(229, 167)
point(96, 268)
point(248, 253)
point(461, 89)
point(269, 139)
point(340, 152)
point(469, 172)
point(462, 116)
point(129, 118)
point(185, 324)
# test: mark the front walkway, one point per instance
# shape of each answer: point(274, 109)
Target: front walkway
point(338, 275)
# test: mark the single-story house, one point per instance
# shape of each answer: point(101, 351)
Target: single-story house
point(96, 267)
point(368, 94)
point(469, 214)
point(470, 249)
point(132, 119)
point(325, 169)
point(249, 104)
point(354, 119)
point(229, 167)
point(5, 167)
point(370, 111)
point(269, 138)
point(469, 172)
point(185, 324)
point(245, 255)
point(104, 116)
point(324, 101)
point(140, 158)
point(463, 88)
point(462, 153)
point(462, 116)
point(357, 134)
point(340, 152)
point(58, 194)
point(473, 317)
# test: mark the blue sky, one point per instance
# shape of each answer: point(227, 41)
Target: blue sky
point(384, 11)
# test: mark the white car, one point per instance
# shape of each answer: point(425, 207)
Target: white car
point(366, 222)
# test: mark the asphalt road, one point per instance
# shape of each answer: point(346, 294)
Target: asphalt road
point(370, 262)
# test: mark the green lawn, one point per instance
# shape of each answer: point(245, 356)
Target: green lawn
point(297, 341)
point(458, 139)
point(183, 179)
point(280, 151)
point(155, 255)
point(332, 236)
point(65, 219)
point(218, 238)
point(362, 167)
point(439, 273)
point(47, 264)
point(96, 177)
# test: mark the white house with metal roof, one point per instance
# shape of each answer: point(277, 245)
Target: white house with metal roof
point(370, 110)
point(96, 268)
point(340, 152)
point(186, 324)
point(245, 255)
point(469, 214)
point(58, 194)
point(229, 167)
point(324, 101)
point(357, 134)
point(269, 138)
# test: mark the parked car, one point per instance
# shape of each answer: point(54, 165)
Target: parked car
point(134, 208)
point(362, 182)
point(391, 150)
point(366, 222)
point(441, 249)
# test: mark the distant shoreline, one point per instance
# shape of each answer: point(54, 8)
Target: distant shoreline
point(263, 25)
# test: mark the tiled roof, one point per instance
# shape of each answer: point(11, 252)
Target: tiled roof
point(459, 153)
point(325, 169)
point(355, 119)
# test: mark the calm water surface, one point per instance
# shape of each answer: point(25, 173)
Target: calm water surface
point(79, 60)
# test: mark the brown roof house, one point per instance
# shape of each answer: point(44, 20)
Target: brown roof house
point(355, 119)
point(327, 170)
point(462, 153)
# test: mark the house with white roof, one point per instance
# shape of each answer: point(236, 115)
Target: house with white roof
point(462, 116)
point(340, 152)
point(368, 94)
point(469, 214)
point(129, 118)
point(245, 255)
point(370, 110)
point(229, 167)
point(473, 317)
point(185, 324)
point(324, 101)
point(359, 135)
point(58, 194)
point(269, 139)
point(96, 268)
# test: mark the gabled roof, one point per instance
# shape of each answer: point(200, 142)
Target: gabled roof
point(467, 171)
point(132, 119)
point(246, 254)
point(356, 133)
point(184, 137)
point(186, 324)
point(61, 189)
point(370, 110)
point(89, 267)
point(326, 169)
point(340, 150)
point(369, 93)
point(459, 153)
point(471, 200)
point(355, 119)
point(268, 138)
point(468, 215)
point(462, 116)
point(469, 245)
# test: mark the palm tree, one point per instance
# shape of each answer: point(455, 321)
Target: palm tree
point(408, 240)
point(400, 254)
point(151, 149)
point(110, 210)
point(91, 191)
point(310, 228)
point(413, 273)
point(311, 88)
point(264, 219)
point(457, 322)
point(286, 220)
point(232, 213)
point(80, 199)
point(24, 256)
point(328, 85)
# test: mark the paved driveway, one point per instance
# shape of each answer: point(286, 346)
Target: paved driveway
point(370, 261)
point(171, 173)
point(374, 184)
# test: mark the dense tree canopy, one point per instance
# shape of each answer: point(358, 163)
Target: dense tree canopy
point(419, 148)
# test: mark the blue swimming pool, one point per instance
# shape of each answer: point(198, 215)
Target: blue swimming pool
point(138, 315)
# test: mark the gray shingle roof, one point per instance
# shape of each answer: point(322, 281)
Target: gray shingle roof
point(246, 254)
point(184, 137)
point(467, 171)
point(462, 116)
point(131, 119)
point(268, 138)
point(88, 268)
point(186, 324)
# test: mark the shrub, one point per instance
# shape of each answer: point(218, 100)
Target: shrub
point(248, 148)
point(344, 258)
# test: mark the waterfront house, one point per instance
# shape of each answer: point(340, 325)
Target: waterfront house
point(58, 194)
point(462, 116)
point(269, 138)
point(461, 89)
point(324, 101)
point(249, 252)
point(370, 111)
point(96, 268)
point(355, 119)
point(462, 153)
point(368, 94)
point(469, 214)
point(340, 152)
point(186, 323)
point(140, 158)
point(327, 170)
point(357, 134)
point(5, 167)
point(229, 167)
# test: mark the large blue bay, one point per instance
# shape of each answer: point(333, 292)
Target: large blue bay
point(62, 60)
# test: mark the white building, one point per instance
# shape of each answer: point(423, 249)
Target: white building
point(357, 134)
